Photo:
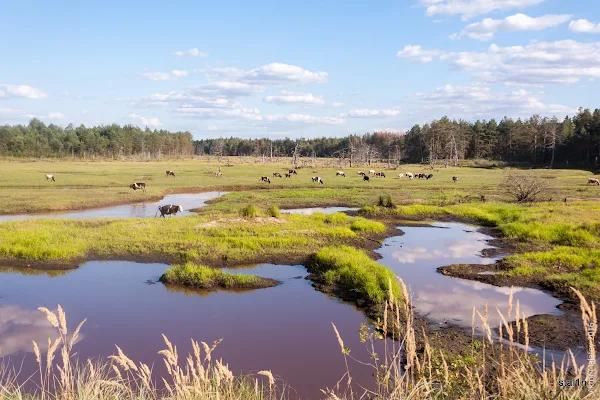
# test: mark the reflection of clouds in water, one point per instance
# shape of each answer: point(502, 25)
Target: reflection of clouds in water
point(456, 305)
point(453, 249)
point(19, 327)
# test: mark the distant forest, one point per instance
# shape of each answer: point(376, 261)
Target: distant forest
point(536, 140)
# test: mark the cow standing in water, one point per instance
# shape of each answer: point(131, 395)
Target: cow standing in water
point(50, 178)
point(168, 209)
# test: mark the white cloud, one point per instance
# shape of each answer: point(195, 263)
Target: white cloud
point(208, 112)
point(15, 113)
point(56, 115)
point(225, 88)
point(191, 52)
point(484, 30)
point(584, 26)
point(145, 120)
point(417, 53)
point(307, 119)
point(337, 104)
point(368, 113)
point(274, 74)
point(477, 101)
point(565, 61)
point(24, 91)
point(472, 8)
point(165, 76)
point(295, 98)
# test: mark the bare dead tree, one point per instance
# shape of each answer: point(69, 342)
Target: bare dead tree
point(523, 188)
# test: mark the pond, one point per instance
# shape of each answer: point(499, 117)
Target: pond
point(286, 329)
point(137, 210)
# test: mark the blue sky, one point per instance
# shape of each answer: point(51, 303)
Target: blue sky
point(294, 68)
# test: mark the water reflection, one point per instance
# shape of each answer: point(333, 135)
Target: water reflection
point(416, 256)
point(140, 210)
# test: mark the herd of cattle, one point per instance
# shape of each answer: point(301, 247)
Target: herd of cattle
point(171, 209)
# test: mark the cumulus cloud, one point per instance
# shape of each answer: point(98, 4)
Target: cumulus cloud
point(337, 104)
point(482, 102)
point(56, 115)
point(24, 91)
point(274, 74)
point(471, 8)
point(191, 52)
point(165, 76)
point(584, 26)
point(538, 63)
point(415, 52)
point(484, 30)
point(370, 113)
point(146, 121)
point(306, 119)
point(295, 98)
point(226, 113)
point(16, 113)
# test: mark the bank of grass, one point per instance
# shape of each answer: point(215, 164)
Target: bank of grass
point(203, 277)
point(557, 243)
point(212, 239)
point(355, 274)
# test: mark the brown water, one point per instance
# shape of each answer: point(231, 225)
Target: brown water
point(138, 210)
point(286, 329)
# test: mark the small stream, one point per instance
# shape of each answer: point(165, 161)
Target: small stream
point(138, 210)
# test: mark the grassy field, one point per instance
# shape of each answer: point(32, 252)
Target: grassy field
point(79, 184)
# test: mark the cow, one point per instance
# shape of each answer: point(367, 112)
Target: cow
point(371, 172)
point(421, 175)
point(340, 173)
point(428, 177)
point(276, 174)
point(366, 178)
point(265, 179)
point(361, 173)
point(168, 209)
point(218, 173)
point(293, 171)
point(170, 173)
point(288, 175)
point(316, 179)
point(594, 181)
point(454, 178)
point(380, 174)
point(410, 175)
point(50, 178)
point(400, 176)
point(138, 185)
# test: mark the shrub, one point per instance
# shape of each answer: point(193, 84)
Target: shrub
point(385, 201)
point(250, 211)
point(273, 211)
point(524, 188)
point(365, 225)
point(201, 277)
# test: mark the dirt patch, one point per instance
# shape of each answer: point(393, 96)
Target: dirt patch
point(230, 221)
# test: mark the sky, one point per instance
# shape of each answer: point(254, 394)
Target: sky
point(295, 68)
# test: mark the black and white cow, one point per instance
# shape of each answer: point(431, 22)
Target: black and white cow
point(316, 179)
point(170, 173)
point(276, 174)
point(340, 173)
point(50, 177)
point(168, 209)
point(366, 178)
point(138, 185)
point(265, 179)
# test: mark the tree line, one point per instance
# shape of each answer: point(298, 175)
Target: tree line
point(535, 140)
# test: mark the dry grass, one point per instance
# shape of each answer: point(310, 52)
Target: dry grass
point(409, 368)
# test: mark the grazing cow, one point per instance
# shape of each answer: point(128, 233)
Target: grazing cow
point(168, 209)
point(454, 178)
point(293, 171)
point(218, 173)
point(340, 173)
point(366, 178)
point(410, 175)
point(50, 178)
point(421, 175)
point(380, 174)
point(170, 173)
point(317, 179)
point(265, 179)
point(371, 172)
point(400, 176)
point(288, 175)
point(276, 174)
point(138, 185)
point(594, 181)
point(429, 176)
point(361, 173)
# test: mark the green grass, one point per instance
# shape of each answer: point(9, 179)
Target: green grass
point(202, 277)
point(355, 273)
point(250, 211)
point(203, 239)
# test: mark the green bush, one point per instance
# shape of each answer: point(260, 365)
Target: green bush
point(202, 277)
point(273, 211)
point(250, 211)
point(385, 201)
